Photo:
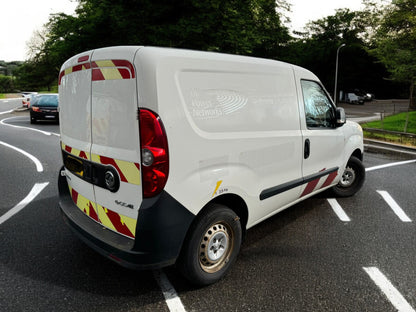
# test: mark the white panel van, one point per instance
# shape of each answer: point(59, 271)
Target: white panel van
point(171, 155)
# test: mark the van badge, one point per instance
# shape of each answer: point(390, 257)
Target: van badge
point(120, 203)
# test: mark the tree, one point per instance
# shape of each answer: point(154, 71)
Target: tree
point(249, 27)
point(316, 50)
point(6, 84)
point(394, 41)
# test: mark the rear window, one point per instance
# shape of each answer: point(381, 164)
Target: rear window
point(46, 100)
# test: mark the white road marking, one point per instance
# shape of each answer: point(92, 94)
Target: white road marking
point(37, 188)
point(6, 112)
point(394, 206)
point(391, 165)
point(38, 164)
point(28, 128)
point(389, 290)
point(338, 210)
point(171, 297)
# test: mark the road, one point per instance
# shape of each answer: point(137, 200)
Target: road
point(358, 255)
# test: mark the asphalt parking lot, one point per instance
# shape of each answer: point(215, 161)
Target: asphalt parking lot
point(374, 109)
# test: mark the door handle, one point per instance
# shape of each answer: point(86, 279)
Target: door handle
point(307, 149)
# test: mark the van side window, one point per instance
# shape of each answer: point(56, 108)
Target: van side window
point(320, 112)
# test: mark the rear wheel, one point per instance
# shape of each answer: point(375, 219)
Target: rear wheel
point(32, 120)
point(212, 246)
point(352, 179)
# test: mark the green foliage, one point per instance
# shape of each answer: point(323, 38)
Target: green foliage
point(27, 77)
point(395, 41)
point(249, 27)
point(241, 27)
point(316, 50)
point(6, 84)
point(8, 68)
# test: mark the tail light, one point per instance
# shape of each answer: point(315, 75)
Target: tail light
point(35, 109)
point(154, 150)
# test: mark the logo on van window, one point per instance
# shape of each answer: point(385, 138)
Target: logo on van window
point(213, 103)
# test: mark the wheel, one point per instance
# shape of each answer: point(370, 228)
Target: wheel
point(352, 179)
point(32, 120)
point(211, 246)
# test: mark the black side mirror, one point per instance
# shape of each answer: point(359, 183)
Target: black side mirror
point(340, 114)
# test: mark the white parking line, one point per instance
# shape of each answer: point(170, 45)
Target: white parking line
point(394, 206)
point(172, 299)
point(6, 112)
point(27, 128)
point(338, 210)
point(38, 164)
point(37, 188)
point(389, 290)
point(391, 165)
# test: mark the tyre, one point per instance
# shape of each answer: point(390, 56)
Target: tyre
point(352, 179)
point(211, 246)
point(32, 120)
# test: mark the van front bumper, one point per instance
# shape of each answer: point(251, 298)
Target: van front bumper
point(161, 229)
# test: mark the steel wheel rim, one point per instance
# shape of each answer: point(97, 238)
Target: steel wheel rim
point(216, 247)
point(348, 177)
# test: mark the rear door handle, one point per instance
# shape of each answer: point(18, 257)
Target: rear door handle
point(307, 149)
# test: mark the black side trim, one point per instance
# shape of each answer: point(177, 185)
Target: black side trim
point(267, 193)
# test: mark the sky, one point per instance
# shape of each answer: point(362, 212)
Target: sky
point(20, 18)
point(304, 11)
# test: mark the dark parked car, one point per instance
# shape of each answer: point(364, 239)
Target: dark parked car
point(44, 107)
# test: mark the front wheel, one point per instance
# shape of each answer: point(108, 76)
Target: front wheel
point(352, 179)
point(212, 246)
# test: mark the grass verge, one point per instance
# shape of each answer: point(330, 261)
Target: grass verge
point(393, 123)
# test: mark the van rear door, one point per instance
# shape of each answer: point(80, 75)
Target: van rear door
point(115, 138)
point(75, 126)
point(100, 136)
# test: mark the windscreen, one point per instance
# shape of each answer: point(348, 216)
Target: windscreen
point(46, 100)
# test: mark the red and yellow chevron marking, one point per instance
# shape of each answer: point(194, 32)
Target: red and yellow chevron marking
point(102, 69)
point(117, 222)
point(73, 69)
point(129, 171)
point(112, 70)
point(86, 206)
point(108, 218)
point(76, 152)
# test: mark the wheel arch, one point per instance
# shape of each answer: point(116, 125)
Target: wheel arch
point(232, 201)
point(358, 153)
point(235, 203)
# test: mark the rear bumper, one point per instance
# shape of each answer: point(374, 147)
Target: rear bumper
point(161, 229)
point(44, 115)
